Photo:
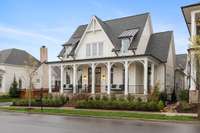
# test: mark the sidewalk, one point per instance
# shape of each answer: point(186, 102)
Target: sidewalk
point(101, 110)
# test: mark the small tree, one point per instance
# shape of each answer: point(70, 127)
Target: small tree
point(14, 91)
point(31, 67)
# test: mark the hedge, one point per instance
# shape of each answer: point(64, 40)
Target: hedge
point(49, 101)
point(120, 105)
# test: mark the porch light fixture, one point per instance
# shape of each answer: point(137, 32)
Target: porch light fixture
point(103, 77)
point(85, 77)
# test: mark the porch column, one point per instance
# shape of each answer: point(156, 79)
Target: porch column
point(145, 76)
point(126, 78)
point(152, 74)
point(61, 79)
point(108, 78)
point(193, 24)
point(74, 79)
point(50, 89)
point(93, 78)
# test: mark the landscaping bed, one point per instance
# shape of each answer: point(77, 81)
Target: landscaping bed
point(120, 105)
point(47, 101)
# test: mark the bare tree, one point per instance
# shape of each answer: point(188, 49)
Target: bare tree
point(195, 52)
point(31, 67)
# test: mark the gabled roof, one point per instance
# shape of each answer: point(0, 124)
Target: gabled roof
point(186, 10)
point(159, 44)
point(17, 57)
point(181, 60)
point(113, 28)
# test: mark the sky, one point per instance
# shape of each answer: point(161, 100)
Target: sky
point(29, 24)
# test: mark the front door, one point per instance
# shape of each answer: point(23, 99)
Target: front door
point(98, 80)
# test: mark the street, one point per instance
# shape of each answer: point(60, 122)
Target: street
point(34, 123)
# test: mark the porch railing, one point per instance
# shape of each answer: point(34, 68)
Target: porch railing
point(137, 89)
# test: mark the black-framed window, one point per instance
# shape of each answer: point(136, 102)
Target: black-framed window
point(67, 78)
point(111, 76)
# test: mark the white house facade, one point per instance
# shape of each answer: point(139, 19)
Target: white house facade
point(15, 63)
point(118, 56)
point(192, 18)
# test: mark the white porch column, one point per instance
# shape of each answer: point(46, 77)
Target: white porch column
point(108, 78)
point(50, 88)
point(126, 78)
point(93, 78)
point(145, 76)
point(193, 24)
point(152, 74)
point(61, 79)
point(193, 73)
point(74, 79)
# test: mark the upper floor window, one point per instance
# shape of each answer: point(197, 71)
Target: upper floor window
point(94, 49)
point(125, 45)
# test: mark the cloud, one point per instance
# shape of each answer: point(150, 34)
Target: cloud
point(22, 33)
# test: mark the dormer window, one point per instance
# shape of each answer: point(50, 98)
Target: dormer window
point(125, 45)
point(127, 37)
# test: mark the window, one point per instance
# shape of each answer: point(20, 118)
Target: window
point(94, 49)
point(67, 78)
point(88, 49)
point(100, 48)
point(1, 81)
point(125, 45)
point(111, 77)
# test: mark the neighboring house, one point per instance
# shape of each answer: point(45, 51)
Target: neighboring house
point(192, 18)
point(122, 56)
point(181, 77)
point(15, 63)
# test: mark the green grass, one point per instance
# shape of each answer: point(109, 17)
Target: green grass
point(6, 99)
point(102, 114)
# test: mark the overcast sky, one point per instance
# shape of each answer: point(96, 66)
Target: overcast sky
point(29, 24)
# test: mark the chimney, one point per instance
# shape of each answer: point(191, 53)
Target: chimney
point(43, 54)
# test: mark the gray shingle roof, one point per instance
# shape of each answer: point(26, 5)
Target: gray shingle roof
point(113, 29)
point(181, 60)
point(17, 57)
point(159, 44)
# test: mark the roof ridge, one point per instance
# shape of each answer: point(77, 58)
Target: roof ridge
point(163, 32)
point(127, 17)
point(118, 18)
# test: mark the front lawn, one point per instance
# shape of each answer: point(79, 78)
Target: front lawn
point(5, 98)
point(102, 114)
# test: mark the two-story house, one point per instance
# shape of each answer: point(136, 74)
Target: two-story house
point(122, 56)
point(192, 18)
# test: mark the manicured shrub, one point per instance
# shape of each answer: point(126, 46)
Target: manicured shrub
point(14, 91)
point(183, 95)
point(174, 98)
point(130, 98)
point(160, 105)
point(113, 97)
point(120, 105)
point(48, 101)
point(105, 98)
point(163, 96)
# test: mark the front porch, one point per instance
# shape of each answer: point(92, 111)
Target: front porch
point(113, 76)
